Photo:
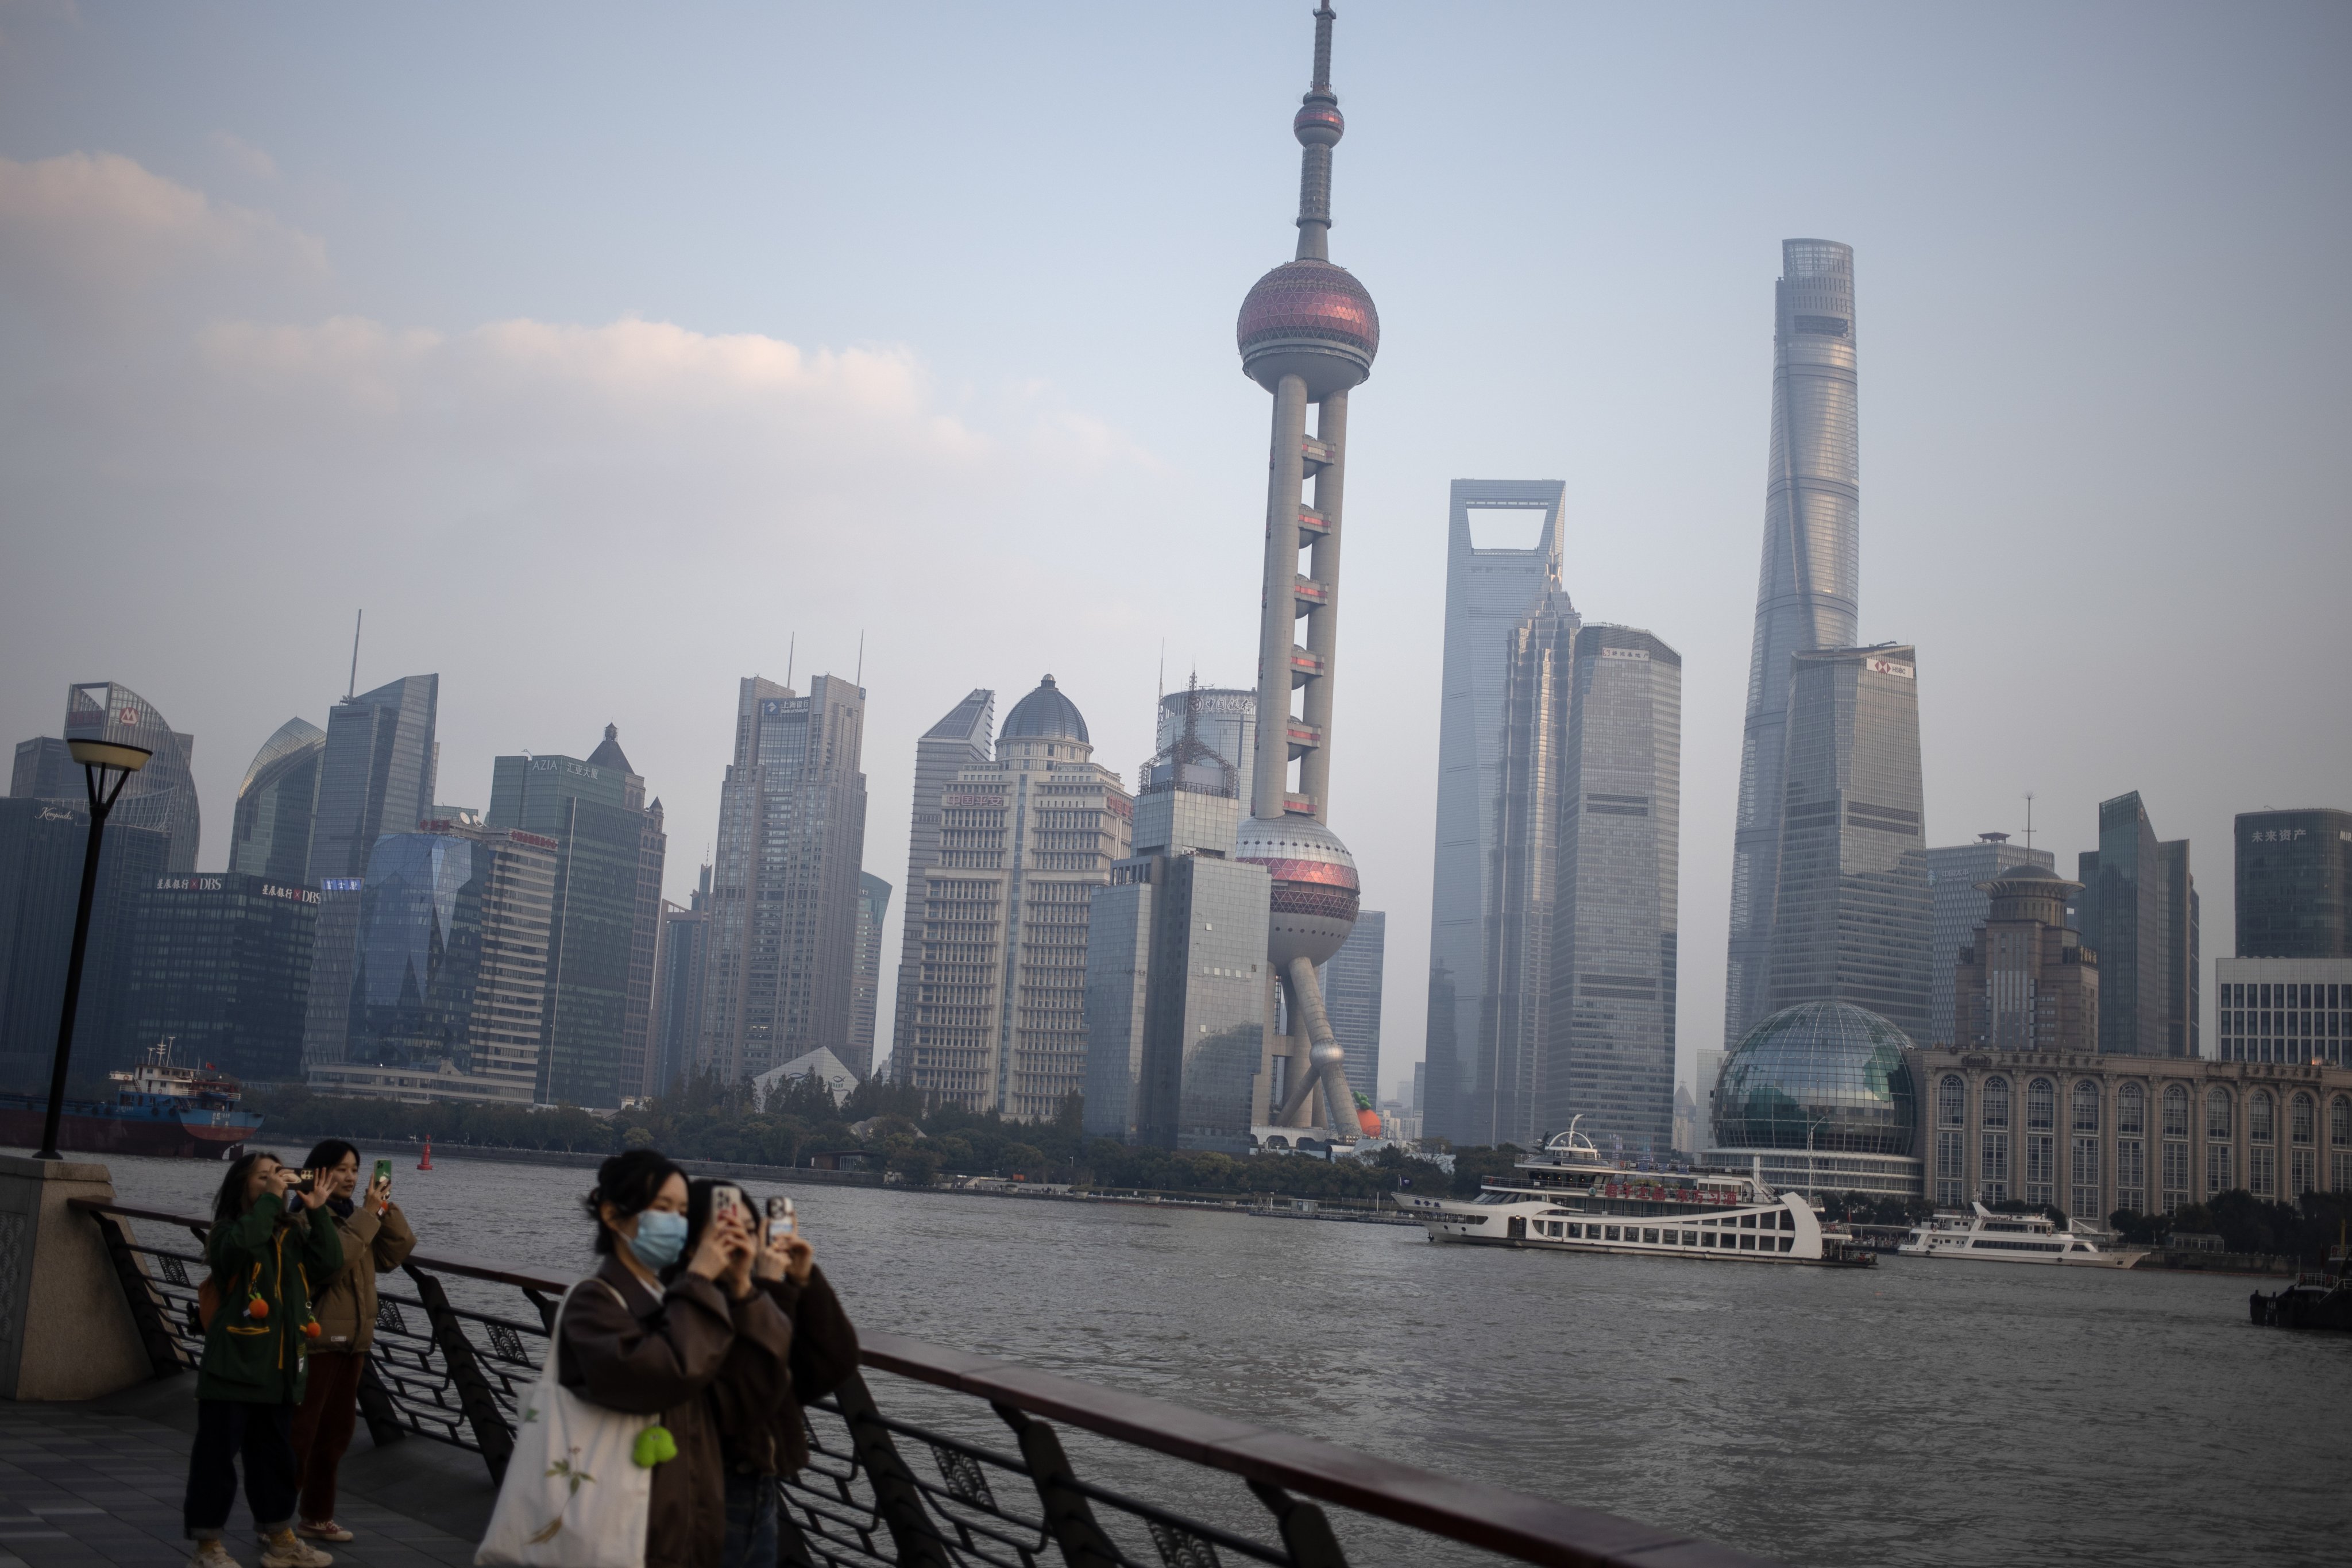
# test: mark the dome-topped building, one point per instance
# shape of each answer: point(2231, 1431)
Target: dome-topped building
point(1045, 714)
point(1823, 1097)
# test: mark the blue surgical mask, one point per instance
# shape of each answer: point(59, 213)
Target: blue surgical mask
point(660, 1238)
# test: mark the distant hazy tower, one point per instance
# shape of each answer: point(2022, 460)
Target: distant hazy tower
point(959, 740)
point(1492, 595)
point(1856, 921)
point(1307, 333)
point(1807, 593)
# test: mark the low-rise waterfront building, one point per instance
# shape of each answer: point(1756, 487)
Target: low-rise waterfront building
point(2092, 1133)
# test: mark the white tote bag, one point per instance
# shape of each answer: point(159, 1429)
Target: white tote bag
point(575, 1496)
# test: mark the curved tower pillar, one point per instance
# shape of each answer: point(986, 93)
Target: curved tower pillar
point(1308, 334)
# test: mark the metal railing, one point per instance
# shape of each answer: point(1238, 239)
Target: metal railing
point(880, 1490)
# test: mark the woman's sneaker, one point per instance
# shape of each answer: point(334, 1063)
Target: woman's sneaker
point(324, 1529)
point(284, 1549)
point(211, 1553)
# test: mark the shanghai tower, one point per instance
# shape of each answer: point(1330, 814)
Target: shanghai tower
point(1806, 596)
point(1307, 333)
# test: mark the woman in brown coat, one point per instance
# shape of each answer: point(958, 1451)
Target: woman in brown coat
point(376, 1236)
point(757, 1396)
point(630, 1342)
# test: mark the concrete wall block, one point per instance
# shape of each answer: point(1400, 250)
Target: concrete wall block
point(65, 1331)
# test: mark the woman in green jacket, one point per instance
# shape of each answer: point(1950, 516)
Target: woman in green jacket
point(266, 1250)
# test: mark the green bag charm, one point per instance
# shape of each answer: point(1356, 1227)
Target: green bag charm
point(654, 1447)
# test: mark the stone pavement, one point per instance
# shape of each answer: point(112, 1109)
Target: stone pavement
point(100, 1484)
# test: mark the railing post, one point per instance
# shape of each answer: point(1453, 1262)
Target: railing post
point(163, 1347)
point(1069, 1517)
point(1306, 1532)
point(375, 1404)
point(895, 1497)
point(474, 1394)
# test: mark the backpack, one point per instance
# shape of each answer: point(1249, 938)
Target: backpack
point(574, 1495)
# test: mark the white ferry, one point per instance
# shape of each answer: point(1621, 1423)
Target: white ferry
point(1568, 1197)
point(1985, 1237)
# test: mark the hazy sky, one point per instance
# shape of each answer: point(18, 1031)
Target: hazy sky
point(598, 351)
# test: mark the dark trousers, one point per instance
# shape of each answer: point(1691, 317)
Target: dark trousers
point(323, 1427)
point(263, 1434)
point(751, 1540)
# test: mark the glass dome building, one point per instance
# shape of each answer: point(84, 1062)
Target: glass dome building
point(1821, 1097)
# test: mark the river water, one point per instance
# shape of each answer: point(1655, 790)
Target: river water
point(1919, 1412)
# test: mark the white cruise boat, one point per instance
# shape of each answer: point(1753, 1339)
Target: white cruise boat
point(1985, 1237)
point(1570, 1197)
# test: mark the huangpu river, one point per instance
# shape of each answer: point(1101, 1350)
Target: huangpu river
point(1918, 1413)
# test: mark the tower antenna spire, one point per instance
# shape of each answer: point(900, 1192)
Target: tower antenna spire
point(1318, 128)
point(352, 690)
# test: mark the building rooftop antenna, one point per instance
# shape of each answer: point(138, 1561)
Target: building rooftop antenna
point(2029, 819)
point(352, 690)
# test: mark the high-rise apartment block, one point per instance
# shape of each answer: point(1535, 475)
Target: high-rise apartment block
point(2295, 884)
point(42, 843)
point(1176, 982)
point(1489, 592)
point(1808, 593)
point(959, 740)
point(997, 1017)
point(449, 982)
point(1351, 998)
point(271, 834)
point(783, 901)
point(1610, 1027)
point(219, 964)
point(1958, 903)
point(2024, 981)
point(2139, 913)
point(865, 976)
point(1852, 920)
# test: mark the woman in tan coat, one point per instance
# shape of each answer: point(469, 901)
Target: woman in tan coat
point(376, 1236)
point(630, 1342)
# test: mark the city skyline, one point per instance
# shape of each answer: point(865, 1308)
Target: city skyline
point(1945, 331)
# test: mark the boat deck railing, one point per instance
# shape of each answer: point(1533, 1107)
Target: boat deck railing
point(879, 1488)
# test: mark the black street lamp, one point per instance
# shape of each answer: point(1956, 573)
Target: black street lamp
point(106, 767)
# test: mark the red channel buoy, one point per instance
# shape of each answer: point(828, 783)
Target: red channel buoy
point(425, 1163)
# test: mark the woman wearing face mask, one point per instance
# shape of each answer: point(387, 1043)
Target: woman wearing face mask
point(376, 1236)
point(631, 1342)
point(757, 1399)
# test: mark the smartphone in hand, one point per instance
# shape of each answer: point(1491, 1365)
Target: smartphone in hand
point(783, 1220)
point(729, 1202)
point(382, 1177)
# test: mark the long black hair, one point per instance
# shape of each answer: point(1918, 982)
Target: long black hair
point(630, 1183)
point(228, 1204)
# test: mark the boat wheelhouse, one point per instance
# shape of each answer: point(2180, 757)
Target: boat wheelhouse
point(1570, 1197)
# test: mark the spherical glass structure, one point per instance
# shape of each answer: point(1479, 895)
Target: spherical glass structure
point(1828, 1068)
point(1315, 886)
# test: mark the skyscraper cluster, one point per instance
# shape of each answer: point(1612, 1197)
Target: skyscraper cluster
point(1553, 921)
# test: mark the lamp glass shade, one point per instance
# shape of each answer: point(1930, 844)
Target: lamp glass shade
point(108, 755)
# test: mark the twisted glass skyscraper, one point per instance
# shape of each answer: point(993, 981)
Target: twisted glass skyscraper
point(1807, 593)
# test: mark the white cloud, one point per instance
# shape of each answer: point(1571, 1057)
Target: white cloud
point(87, 228)
point(243, 156)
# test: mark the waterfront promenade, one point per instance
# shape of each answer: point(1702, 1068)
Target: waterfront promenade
point(97, 1485)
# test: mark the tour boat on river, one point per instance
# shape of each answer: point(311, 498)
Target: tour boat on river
point(1570, 1197)
point(1985, 1237)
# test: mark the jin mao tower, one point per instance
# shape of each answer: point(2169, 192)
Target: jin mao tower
point(1307, 333)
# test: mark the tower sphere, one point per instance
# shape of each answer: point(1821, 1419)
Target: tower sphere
point(1318, 125)
point(1315, 887)
point(1312, 320)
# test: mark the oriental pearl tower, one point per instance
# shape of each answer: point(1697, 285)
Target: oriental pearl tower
point(1307, 333)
